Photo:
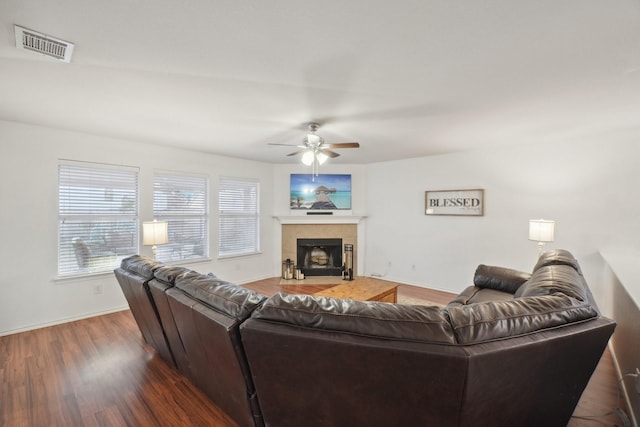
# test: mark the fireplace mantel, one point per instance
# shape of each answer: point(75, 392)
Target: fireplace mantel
point(320, 219)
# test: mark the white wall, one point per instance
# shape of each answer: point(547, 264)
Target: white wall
point(591, 190)
point(30, 295)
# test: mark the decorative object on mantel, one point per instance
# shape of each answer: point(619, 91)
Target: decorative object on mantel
point(541, 231)
point(155, 233)
point(327, 193)
point(454, 202)
point(315, 151)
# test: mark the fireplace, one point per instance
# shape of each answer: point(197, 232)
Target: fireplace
point(320, 226)
point(320, 257)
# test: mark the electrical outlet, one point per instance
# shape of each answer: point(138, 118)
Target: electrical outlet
point(97, 290)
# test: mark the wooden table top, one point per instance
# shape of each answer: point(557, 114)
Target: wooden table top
point(362, 289)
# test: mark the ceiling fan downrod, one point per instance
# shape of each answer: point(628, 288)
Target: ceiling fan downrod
point(313, 127)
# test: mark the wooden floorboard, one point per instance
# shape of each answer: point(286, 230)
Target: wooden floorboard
point(99, 372)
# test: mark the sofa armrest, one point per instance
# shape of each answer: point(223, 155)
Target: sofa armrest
point(499, 278)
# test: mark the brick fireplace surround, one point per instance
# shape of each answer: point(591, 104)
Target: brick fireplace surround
point(307, 227)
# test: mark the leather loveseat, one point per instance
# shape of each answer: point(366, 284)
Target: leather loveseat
point(514, 349)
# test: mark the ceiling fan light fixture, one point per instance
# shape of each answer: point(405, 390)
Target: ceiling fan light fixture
point(322, 158)
point(314, 150)
point(307, 158)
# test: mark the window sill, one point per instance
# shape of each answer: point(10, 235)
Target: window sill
point(223, 257)
point(186, 261)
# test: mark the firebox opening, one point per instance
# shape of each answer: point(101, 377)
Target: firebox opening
point(320, 257)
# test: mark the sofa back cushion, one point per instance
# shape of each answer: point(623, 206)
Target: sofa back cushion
point(140, 265)
point(393, 321)
point(489, 321)
point(225, 297)
point(552, 279)
point(499, 278)
point(205, 321)
point(134, 275)
point(557, 257)
point(167, 275)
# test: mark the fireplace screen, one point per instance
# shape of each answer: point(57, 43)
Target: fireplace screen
point(320, 257)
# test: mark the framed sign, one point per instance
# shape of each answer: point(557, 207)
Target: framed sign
point(454, 202)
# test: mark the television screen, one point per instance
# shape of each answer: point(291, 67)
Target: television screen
point(322, 192)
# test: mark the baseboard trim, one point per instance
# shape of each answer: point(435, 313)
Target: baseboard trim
point(621, 385)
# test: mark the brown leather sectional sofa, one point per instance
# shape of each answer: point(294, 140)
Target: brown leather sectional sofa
point(514, 349)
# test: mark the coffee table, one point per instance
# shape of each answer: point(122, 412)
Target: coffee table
point(363, 289)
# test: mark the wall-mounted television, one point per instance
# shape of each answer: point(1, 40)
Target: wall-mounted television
point(321, 192)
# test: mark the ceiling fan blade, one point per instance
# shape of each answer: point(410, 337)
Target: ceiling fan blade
point(343, 145)
point(329, 153)
point(295, 153)
point(276, 143)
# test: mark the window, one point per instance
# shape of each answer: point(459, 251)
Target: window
point(181, 200)
point(97, 217)
point(239, 205)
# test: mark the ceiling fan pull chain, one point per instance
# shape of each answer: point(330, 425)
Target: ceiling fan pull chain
point(315, 168)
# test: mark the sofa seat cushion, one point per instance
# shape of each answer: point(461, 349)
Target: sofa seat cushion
point(554, 279)
point(499, 278)
point(140, 265)
point(225, 297)
point(475, 294)
point(374, 319)
point(476, 323)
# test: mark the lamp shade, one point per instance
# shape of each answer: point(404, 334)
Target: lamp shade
point(541, 230)
point(308, 157)
point(155, 233)
point(321, 157)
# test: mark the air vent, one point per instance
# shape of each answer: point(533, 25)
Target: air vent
point(41, 43)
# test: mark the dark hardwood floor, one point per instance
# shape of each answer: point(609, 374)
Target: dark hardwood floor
point(99, 372)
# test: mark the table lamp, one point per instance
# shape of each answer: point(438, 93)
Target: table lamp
point(154, 233)
point(541, 231)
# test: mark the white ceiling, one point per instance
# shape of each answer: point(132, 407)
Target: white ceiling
point(405, 78)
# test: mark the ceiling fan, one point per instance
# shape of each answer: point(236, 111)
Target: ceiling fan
point(314, 150)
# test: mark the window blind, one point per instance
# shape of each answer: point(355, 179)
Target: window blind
point(97, 217)
point(181, 201)
point(239, 205)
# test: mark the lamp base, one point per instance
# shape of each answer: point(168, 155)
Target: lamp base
point(540, 248)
